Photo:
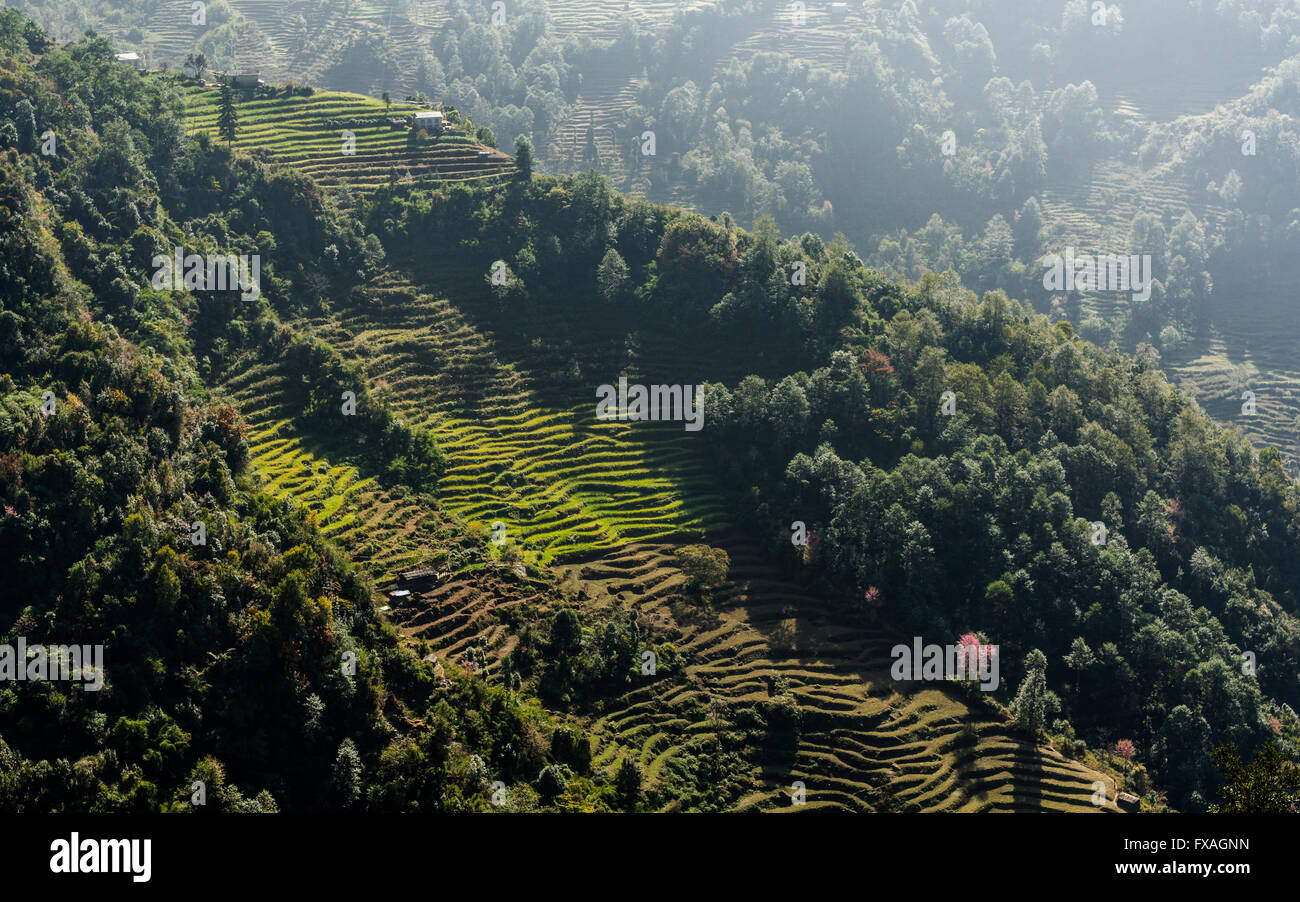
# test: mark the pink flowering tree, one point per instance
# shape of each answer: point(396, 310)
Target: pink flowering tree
point(874, 601)
point(974, 652)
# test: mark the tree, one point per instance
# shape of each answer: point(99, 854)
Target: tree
point(627, 785)
point(837, 296)
point(388, 101)
point(347, 774)
point(999, 598)
point(1029, 223)
point(1030, 705)
point(198, 64)
point(590, 151)
point(612, 276)
point(551, 782)
point(704, 566)
point(566, 631)
point(1270, 784)
point(524, 157)
point(227, 118)
point(25, 120)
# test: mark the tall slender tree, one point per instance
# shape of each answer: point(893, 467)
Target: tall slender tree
point(1030, 705)
point(227, 118)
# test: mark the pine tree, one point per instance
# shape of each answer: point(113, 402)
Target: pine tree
point(627, 785)
point(524, 157)
point(1030, 706)
point(612, 276)
point(590, 152)
point(227, 119)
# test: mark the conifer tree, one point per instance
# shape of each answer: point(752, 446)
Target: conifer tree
point(227, 118)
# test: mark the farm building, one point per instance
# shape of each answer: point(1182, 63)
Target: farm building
point(430, 120)
point(839, 10)
point(132, 59)
point(422, 578)
point(245, 80)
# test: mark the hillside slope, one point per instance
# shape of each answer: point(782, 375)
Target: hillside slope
point(523, 557)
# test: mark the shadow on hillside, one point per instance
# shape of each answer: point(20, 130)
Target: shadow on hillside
point(965, 757)
point(690, 612)
point(1027, 778)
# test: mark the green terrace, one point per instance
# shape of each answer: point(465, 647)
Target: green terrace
point(308, 133)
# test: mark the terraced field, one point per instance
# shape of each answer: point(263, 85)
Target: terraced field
point(821, 39)
point(868, 743)
point(604, 504)
point(299, 40)
point(1251, 348)
point(1097, 209)
point(308, 133)
point(1247, 345)
point(607, 93)
point(304, 40)
point(309, 41)
point(380, 530)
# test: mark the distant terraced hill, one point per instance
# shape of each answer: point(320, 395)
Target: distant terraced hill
point(820, 38)
point(1248, 345)
point(307, 40)
point(308, 133)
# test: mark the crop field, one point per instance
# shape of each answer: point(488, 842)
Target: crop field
point(605, 504)
point(300, 40)
point(1249, 349)
point(610, 90)
point(308, 133)
point(315, 43)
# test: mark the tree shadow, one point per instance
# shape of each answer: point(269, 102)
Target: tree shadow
point(1026, 778)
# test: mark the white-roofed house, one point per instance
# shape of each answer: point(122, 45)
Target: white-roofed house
point(429, 120)
point(132, 59)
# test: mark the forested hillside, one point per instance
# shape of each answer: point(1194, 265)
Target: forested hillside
point(826, 406)
point(934, 134)
point(253, 661)
point(358, 540)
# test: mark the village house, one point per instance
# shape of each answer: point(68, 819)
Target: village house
point(429, 120)
point(421, 578)
point(132, 59)
point(246, 80)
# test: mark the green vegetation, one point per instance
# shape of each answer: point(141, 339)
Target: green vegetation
point(310, 131)
point(933, 134)
point(254, 660)
point(1270, 784)
point(619, 619)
